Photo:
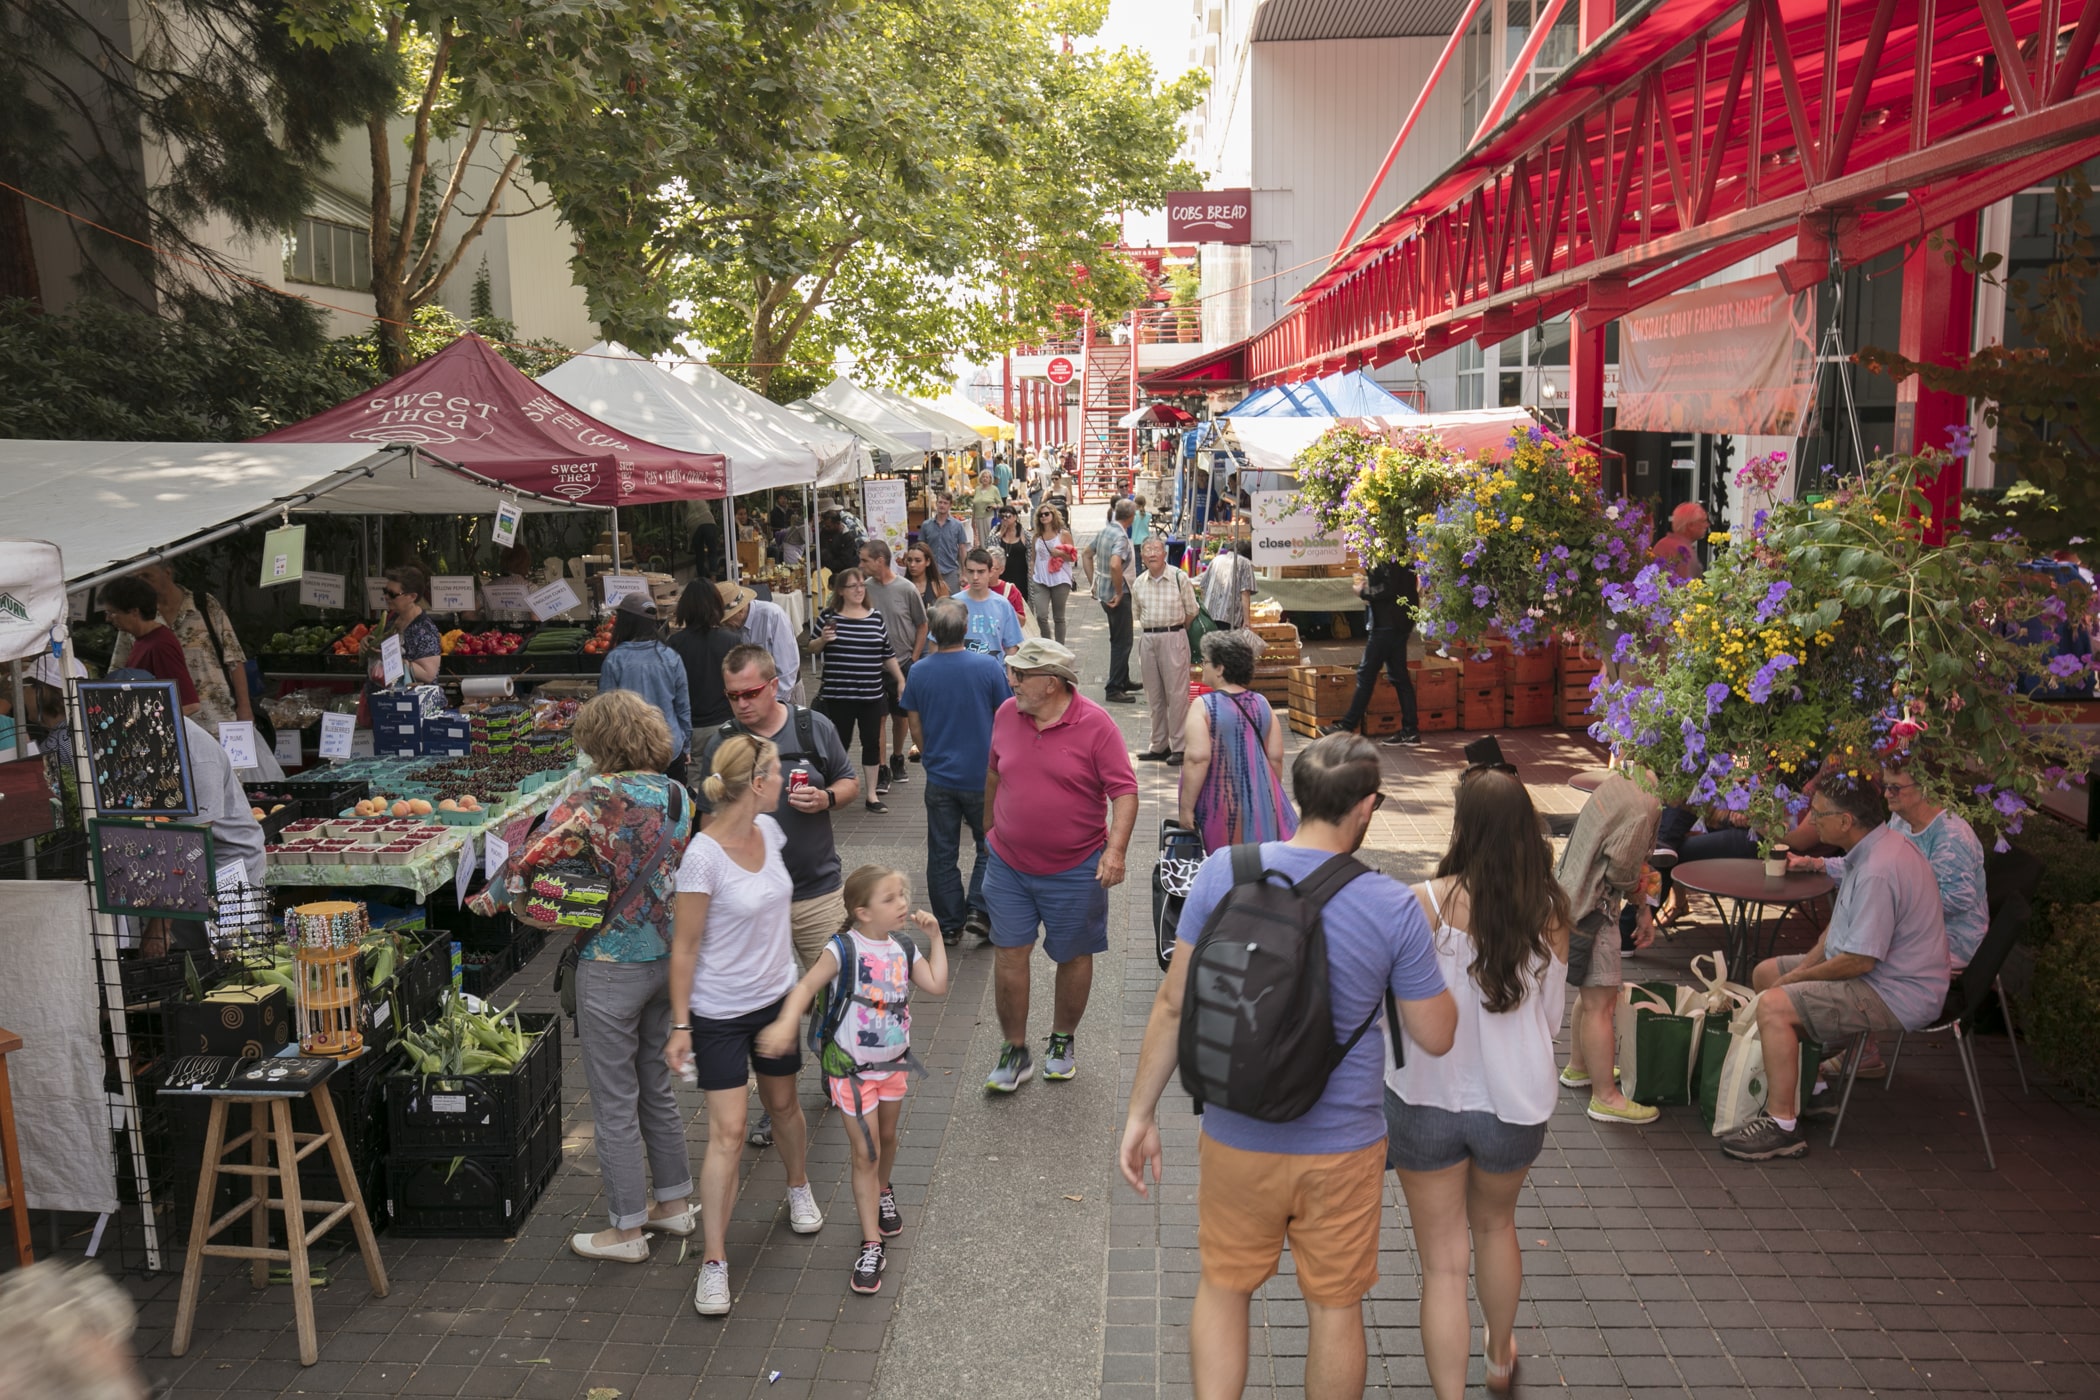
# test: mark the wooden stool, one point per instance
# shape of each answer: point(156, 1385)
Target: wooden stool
point(12, 1195)
point(270, 1117)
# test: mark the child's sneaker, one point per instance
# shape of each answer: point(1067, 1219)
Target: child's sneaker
point(886, 1216)
point(867, 1270)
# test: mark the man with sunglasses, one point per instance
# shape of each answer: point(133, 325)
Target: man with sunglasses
point(1881, 965)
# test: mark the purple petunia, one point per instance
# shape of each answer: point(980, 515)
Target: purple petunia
point(1760, 689)
point(2065, 665)
point(2009, 804)
point(1480, 595)
point(1774, 597)
point(1960, 439)
point(1715, 694)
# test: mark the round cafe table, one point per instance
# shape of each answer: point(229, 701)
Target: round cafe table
point(1742, 891)
point(1589, 779)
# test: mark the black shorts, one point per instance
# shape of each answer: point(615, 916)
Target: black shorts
point(891, 694)
point(725, 1053)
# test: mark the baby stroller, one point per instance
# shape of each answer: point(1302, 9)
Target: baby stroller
point(1180, 853)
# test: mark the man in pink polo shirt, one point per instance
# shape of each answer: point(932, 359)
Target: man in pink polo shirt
point(1060, 800)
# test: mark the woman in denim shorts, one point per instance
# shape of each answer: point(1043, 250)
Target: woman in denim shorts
point(1463, 1128)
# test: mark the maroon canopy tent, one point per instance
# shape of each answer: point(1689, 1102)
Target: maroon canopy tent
point(469, 405)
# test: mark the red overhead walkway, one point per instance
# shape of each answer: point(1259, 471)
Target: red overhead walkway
point(1692, 134)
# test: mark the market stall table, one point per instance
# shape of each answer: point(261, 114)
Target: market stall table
point(1744, 885)
point(436, 866)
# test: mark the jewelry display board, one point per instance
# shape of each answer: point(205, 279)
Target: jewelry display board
point(155, 869)
point(137, 748)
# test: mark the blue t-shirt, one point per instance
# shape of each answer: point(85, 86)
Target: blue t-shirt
point(946, 542)
point(994, 630)
point(955, 694)
point(1376, 937)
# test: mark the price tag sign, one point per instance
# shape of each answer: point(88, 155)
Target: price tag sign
point(289, 754)
point(361, 744)
point(335, 735)
point(390, 668)
point(284, 555)
point(553, 600)
point(507, 596)
point(464, 876)
point(450, 593)
point(375, 595)
point(76, 606)
point(618, 586)
point(508, 516)
point(237, 737)
point(319, 590)
point(498, 853)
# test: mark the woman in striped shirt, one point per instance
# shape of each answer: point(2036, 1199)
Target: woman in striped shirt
point(856, 649)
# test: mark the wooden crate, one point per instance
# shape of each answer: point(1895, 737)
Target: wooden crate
point(1528, 706)
point(1376, 724)
point(1306, 724)
point(1274, 632)
point(1533, 667)
point(1436, 690)
point(1479, 670)
point(1437, 721)
point(1574, 714)
point(1480, 707)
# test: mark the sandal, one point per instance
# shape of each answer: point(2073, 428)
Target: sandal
point(1499, 1378)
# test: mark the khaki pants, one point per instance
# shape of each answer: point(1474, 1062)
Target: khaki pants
point(812, 922)
point(1163, 658)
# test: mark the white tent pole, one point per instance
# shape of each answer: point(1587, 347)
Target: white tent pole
point(729, 564)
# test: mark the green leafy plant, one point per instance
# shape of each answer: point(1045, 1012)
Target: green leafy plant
point(1836, 632)
point(1527, 546)
point(1369, 488)
point(2064, 999)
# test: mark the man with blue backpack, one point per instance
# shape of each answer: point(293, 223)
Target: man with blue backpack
point(1288, 953)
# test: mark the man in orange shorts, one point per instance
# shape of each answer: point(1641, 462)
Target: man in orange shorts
point(1316, 1181)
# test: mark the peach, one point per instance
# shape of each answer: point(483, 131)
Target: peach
point(418, 807)
point(401, 809)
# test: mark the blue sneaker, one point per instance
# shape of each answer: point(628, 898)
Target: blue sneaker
point(1015, 1068)
point(1058, 1060)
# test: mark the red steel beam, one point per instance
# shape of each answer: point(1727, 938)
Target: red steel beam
point(1643, 160)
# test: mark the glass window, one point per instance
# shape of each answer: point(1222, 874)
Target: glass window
point(330, 254)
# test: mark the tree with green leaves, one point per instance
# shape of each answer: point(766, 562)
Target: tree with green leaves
point(608, 104)
point(964, 195)
point(187, 110)
point(2042, 397)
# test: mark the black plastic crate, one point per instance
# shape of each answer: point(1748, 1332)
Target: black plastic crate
point(147, 980)
point(474, 1195)
point(317, 797)
point(410, 997)
point(477, 1112)
point(483, 970)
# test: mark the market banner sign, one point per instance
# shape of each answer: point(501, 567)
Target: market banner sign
point(1211, 216)
point(1069, 365)
point(1285, 532)
point(32, 597)
point(883, 510)
point(1739, 358)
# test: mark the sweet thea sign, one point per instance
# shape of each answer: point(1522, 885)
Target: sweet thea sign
point(1211, 216)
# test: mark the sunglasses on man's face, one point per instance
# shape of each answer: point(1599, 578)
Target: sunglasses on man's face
point(738, 696)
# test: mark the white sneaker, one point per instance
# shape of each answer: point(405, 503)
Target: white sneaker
point(803, 1216)
point(711, 1296)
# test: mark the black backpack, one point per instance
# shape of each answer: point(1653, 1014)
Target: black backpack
point(1257, 1025)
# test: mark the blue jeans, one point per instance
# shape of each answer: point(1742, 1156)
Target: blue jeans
point(946, 811)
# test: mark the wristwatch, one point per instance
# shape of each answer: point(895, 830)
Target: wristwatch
point(831, 799)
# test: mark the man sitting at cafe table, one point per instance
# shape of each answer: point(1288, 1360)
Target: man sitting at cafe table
point(1881, 965)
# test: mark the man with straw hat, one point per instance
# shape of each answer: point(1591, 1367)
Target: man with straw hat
point(764, 623)
point(1060, 800)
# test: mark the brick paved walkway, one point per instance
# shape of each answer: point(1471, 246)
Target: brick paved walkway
point(1895, 1265)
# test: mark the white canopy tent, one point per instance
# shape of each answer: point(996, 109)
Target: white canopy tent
point(975, 416)
point(849, 403)
point(111, 506)
point(871, 439)
point(949, 434)
point(1271, 444)
point(698, 409)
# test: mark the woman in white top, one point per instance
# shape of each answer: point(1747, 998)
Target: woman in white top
point(732, 965)
point(1463, 1128)
point(1053, 557)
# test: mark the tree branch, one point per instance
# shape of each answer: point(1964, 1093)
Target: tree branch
point(444, 209)
point(419, 157)
point(481, 221)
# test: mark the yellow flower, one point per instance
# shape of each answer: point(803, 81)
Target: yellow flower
point(1717, 537)
point(1516, 522)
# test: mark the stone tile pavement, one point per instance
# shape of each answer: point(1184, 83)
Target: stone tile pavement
point(1894, 1265)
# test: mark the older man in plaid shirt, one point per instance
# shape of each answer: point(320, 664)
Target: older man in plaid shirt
point(1166, 605)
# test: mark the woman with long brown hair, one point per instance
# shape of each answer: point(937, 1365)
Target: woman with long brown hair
point(1463, 1128)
